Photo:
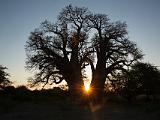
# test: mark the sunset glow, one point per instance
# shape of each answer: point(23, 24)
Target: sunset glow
point(87, 87)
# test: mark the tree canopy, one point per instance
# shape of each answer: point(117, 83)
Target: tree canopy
point(140, 79)
point(146, 78)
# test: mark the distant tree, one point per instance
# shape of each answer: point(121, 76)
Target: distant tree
point(148, 78)
point(128, 87)
point(4, 80)
point(142, 78)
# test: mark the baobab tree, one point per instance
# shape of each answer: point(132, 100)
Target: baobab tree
point(114, 51)
point(61, 50)
point(58, 49)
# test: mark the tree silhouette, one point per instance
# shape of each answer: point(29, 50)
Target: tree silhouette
point(4, 80)
point(143, 78)
point(61, 50)
point(58, 50)
point(114, 51)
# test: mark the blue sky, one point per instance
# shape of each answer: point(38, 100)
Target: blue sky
point(19, 17)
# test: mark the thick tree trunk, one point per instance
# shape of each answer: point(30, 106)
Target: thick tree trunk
point(75, 89)
point(97, 86)
point(75, 82)
point(99, 78)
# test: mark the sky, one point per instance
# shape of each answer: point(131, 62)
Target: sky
point(19, 17)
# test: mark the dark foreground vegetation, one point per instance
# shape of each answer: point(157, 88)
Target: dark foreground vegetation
point(55, 104)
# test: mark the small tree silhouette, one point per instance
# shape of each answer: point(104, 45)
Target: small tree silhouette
point(141, 78)
point(4, 80)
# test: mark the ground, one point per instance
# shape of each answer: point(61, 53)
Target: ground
point(64, 109)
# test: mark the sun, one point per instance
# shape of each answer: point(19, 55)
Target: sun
point(87, 87)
